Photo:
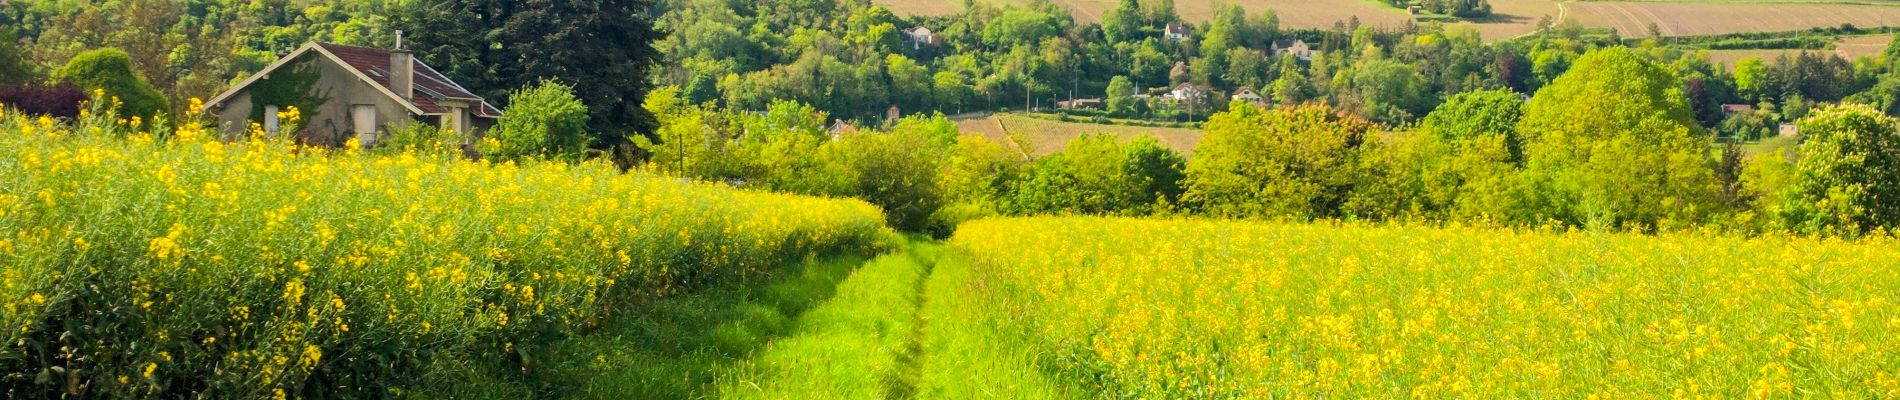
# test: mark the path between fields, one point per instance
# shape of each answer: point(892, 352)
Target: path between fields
point(905, 325)
point(1563, 12)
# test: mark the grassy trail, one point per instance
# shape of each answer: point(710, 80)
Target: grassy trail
point(906, 325)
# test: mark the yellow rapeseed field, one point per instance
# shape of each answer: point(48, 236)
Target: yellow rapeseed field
point(141, 262)
point(1221, 309)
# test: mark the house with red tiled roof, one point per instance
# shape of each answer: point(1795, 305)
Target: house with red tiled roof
point(349, 92)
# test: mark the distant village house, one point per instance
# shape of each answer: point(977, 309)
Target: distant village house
point(1187, 93)
point(1177, 31)
point(346, 92)
point(1249, 96)
point(1296, 47)
point(921, 37)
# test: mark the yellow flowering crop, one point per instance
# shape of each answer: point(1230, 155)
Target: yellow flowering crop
point(235, 260)
point(1218, 309)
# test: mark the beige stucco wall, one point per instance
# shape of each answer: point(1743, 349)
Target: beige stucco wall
point(329, 124)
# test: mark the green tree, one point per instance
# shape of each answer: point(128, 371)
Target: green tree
point(1612, 143)
point(14, 66)
point(1290, 162)
point(110, 70)
point(1391, 91)
point(544, 121)
point(1124, 22)
point(1845, 179)
point(1749, 78)
point(604, 47)
point(1121, 96)
point(1479, 115)
point(899, 171)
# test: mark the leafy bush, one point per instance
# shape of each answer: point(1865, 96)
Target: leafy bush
point(61, 101)
point(1845, 179)
point(183, 267)
point(543, 121)
point(1612, 143)
point(1291, 162)
point(110, 70)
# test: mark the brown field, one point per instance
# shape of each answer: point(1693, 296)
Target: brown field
point(1682, 19)
point(1049, 137)
point(1293, 13)
point(1513, 18)
point(1852, 47)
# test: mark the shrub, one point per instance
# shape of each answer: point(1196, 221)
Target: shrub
point(61, 100)
point(1845, 179)
point(1291, 162)
point(543, 121)
point(110, 69)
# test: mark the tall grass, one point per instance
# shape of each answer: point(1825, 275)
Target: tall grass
point(159, 262)
point(1220, 309)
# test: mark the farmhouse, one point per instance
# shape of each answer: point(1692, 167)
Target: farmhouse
point(1187, 92)
point(345, 92)
point(921, 37)
point(1177, 31)
point(1249, 96)
point(1788, 130)
point(1296, 47)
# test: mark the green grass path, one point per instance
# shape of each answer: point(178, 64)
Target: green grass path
point(906, 325)
point(913, 323)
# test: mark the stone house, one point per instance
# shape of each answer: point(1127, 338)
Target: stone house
point(345, 92)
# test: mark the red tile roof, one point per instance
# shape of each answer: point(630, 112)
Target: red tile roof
point(430, 85)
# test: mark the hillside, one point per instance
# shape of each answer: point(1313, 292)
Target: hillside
point(1047, 136)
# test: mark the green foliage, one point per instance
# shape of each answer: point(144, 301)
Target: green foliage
point(1844, 180)
point(899, 171)
point(110, 70)
point(1098, 175)
point(1392, 92)
point(543, 121)
point(15, 68)
point(1479, 115)
point(1292, 162)
point(294, 86)
point(603, 48)
point(1612, 143)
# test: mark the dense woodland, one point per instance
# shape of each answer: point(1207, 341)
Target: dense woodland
point(1419, 123)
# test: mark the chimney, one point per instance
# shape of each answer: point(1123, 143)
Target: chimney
point(402, 71)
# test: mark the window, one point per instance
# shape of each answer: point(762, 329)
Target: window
point(270, 120)
point(363, 116)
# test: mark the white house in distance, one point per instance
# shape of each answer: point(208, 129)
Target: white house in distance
point(361, 92)
point(1249, 96)
point(1296, 47)
point(1177, 31)
point(1187, 93)
point(921, 37)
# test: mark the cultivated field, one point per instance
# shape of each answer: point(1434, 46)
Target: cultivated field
point(1688, 19)
point(1049, 137)
point(1293, 13)
point(1519, 17)
point(1851, 48)
point(1223, 309)
point(1513, 18)
point(258, 269)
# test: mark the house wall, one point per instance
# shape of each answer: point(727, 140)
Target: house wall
point(329, 124)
